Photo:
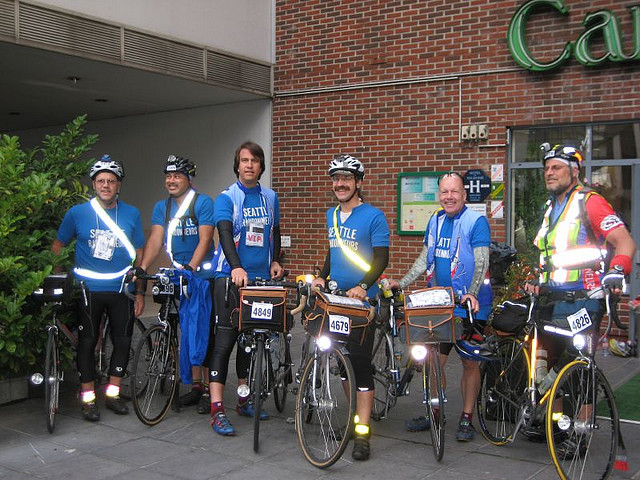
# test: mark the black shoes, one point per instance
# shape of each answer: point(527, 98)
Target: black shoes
point(90, 411)
point(117, 405)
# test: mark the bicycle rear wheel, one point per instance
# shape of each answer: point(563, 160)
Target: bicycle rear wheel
point(154, 375)
point(259, 364)
point(383, 362)
point(325, 406)
point(281, 361)
point(582, 423)
point(503, 383)
point(51, 379)
point(434, 401)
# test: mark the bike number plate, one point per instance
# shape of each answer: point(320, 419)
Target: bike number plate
point(579, 320)
point(166, 289)
point(262, 311)
point(339, 324)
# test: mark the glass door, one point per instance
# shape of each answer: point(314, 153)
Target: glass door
point(616, 183)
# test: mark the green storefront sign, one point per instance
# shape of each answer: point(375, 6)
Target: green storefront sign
point(600, 25)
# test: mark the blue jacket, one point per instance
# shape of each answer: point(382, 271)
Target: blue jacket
point(461, 257)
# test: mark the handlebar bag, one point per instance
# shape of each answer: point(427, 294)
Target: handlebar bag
point(340, 318)
point(429, 316)
point(262, 308)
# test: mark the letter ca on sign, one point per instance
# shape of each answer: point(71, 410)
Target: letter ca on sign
point(602, 24)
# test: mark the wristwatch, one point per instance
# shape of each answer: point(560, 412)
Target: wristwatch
point(619, 269)
point(363, 286)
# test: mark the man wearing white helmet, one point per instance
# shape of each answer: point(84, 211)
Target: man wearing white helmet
point(358, 254)
point(109, 241)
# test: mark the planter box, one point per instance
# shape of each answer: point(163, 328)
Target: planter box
point(14, 389)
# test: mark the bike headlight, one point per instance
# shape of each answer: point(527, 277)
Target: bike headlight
point(324, 343)
point(579, 341)
point(419, 352)
point(36, 378)
point(243, 390)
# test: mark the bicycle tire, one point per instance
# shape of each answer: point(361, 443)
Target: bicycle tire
point(383, 362)
point(503, 383)
point(259, 365)
point(154, 375)
point(592, 432)
point(51, 379)
point(434, 390)
point(325, 407)
point(281, 360)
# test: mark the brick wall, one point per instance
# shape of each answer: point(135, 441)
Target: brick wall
point(391, 81)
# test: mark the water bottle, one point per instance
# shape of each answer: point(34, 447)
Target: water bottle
point(541, 364)
point(547, 381)
point(605, 346)
point(386, 289)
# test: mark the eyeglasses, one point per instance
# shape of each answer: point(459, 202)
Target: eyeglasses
point(106, 181)
point(336, 177)
point(450, 174)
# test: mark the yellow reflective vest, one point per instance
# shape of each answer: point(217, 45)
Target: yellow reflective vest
point(567, 253)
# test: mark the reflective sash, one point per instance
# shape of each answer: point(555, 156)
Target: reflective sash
point(120, 235)
point(173, 224)
point(350, 254)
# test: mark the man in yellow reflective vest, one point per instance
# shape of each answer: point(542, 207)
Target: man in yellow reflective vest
point(109, 240)
point(577, 225)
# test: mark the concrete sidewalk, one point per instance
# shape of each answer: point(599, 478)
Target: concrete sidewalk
point(184, 446)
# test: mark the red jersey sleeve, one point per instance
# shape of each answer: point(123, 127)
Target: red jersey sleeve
point(601, 215)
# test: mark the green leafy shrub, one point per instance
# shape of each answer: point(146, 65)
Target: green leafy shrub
point(37, 187)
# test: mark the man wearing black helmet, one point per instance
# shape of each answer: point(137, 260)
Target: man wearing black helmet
point(358, 254)
point(183, 223)
point(577, 225)
point(109, 240)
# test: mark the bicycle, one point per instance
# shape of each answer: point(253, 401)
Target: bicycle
point(510, 400)
point(56, 292)
point(154, 374)
point(326, 398)
point(264, 324)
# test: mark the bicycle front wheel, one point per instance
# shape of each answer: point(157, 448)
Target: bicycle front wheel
point(325, 407)
point(383, 363)
point(259, 364)
point(503, 383)
point(281, 361)
point(51, 379)
point(582, 423)
point(434, 399)
point(154, 375)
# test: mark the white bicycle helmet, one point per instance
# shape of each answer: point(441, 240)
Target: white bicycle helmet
point(106, 164)
point(346, 163)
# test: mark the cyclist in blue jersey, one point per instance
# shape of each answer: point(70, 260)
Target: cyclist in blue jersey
point(248, 219)
point(456, 254)
point(109, 238)
point(183, 223)
point(358, 254)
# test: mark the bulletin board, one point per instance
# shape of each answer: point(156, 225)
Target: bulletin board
point(417, 200)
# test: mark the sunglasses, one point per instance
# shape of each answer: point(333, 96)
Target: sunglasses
point(450, 174)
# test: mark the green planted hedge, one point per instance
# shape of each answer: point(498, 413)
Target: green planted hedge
point(37, 187)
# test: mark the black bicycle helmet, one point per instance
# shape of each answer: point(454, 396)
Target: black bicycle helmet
point(106, 164)
point(565, 153)
point(176, 164)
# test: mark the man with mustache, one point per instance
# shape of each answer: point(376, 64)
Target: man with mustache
point(188, 242)
point(358, 254)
